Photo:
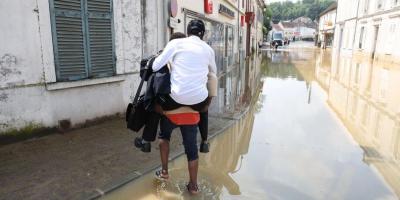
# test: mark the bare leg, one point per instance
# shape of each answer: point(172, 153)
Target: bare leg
point(193, 167)
point(164, 152)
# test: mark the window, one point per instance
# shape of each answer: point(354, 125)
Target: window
point(360, 42)
point(83, 39)
point(366, 5)
point(379, 4)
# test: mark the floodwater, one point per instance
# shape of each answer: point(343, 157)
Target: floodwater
point(321, 128)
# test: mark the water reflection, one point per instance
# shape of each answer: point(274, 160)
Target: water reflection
point(291, 145)
point(236, 86)
point(364, 93)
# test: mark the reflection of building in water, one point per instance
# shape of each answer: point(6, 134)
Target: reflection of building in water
point(237, 86)
point(232, 146)
point(365, 96)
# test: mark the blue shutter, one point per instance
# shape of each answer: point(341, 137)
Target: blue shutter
point(100, 42)
point(69, 39)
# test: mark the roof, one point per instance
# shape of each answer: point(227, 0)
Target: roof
point(333, 6)
point(277, 27)
point(288, 24)
point(305, 22)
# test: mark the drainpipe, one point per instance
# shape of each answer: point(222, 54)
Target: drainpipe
point(165, 23)
point(238, 32)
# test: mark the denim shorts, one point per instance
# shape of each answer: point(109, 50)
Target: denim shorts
point(189, 136)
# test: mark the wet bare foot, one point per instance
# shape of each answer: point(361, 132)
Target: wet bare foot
point(193, 188)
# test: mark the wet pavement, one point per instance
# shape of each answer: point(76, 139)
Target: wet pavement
point(321, 128)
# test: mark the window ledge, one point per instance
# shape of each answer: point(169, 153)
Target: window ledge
point(83, 83)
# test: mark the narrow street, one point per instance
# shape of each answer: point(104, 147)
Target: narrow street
point(300, 139)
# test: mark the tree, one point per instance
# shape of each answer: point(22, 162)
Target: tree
point(267, 20)
point(288, 10)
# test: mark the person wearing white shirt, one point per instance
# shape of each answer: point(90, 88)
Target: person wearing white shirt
point(191, 60)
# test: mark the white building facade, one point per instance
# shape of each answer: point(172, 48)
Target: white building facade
point(373, 31)
point(326, 26)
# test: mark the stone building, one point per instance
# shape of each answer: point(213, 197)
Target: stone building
point(69, 62)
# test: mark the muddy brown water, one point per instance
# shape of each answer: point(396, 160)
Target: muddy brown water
point(321, 129)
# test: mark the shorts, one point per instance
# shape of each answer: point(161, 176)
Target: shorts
point(189, 136)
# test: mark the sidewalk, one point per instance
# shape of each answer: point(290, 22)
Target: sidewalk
point(80, 163)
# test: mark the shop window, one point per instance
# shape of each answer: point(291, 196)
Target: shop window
point(229, 40)
point(214, 37)
point(82, 39)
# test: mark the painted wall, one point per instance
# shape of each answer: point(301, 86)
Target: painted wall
point(29, 93)
point(327, 21)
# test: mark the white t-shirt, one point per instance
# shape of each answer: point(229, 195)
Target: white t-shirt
point(191, 60)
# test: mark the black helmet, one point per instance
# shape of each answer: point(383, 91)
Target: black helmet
point(196, 27)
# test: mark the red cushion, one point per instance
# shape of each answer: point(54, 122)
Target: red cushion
point(184, 118)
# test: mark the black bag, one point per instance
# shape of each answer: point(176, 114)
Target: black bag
point(136, 115)
point(135, 112)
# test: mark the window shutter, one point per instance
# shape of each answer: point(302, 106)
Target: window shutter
point(101, 49)
point(69, 40)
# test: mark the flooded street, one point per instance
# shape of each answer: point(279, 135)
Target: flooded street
point(321, 128)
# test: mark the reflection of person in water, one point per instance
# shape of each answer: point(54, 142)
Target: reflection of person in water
point(236, 141)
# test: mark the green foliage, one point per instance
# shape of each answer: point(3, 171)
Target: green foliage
point(288, 10)
point(267, 20)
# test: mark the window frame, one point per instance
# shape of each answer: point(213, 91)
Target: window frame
point(361, 39)
point(85, 16)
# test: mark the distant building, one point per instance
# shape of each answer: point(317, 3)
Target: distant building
point(371, 30)
point(326, 26)
point(302, 28)
point(277, 27)
point(289, 29)
point(305, 28)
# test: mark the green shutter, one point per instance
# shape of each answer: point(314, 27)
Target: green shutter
point(100, 42)
point(69, 39)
